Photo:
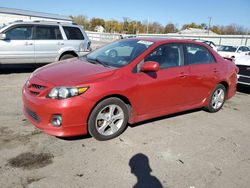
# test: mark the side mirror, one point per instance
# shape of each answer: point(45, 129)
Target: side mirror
point(239, 51)
point(150, 66)
point(2, 36)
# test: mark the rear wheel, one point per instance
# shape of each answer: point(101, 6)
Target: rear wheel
point(67, 56)
point(108, 119)
point(217, 99)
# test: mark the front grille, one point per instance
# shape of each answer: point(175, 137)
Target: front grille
point(33, 115)
point(36, 89)
point(244, 79)
point(34, 92)
point(244, 70)
point(38, 86)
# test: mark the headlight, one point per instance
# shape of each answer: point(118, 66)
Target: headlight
point(66, 92)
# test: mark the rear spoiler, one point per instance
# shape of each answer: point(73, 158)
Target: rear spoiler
point(229, 59)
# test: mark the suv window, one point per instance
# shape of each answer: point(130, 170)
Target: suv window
point(198, 55)
point(73, 33)
point(245, 49)
point(170, 55)
point(48, 33)
point(19, 33)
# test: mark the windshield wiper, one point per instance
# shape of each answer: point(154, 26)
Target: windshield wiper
point(97, 61)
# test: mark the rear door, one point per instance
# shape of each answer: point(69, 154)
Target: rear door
point(203, 71)
point(48, 41)
point(18, 47)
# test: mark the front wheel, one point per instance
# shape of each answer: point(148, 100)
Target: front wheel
point(108, 119)
point(216, 99)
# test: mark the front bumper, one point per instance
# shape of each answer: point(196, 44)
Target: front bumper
point(39, 110)
point(243, 79)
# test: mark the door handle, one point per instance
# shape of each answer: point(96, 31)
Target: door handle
point(60, 43)
point(183, 75)
point(28, 43)
point(215, 70)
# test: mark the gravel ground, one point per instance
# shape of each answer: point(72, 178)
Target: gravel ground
point(190, 150)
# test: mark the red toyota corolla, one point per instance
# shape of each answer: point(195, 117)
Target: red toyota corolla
point(130, 80)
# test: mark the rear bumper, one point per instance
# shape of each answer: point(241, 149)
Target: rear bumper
point(74, 111)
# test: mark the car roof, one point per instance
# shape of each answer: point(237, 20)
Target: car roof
point(167, 40)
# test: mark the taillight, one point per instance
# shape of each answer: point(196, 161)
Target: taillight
point(237, 69)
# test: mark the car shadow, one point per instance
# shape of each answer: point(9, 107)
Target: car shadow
point(20, 68)
point(243, 89)
point(75, 138)
point(139, 165)
point(165, 117)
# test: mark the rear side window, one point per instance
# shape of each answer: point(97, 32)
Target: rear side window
point(197, 54)
point(48, 33)
point(19, 33)
point(73, 33)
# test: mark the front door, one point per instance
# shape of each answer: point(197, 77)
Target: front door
point(18, 47)
point(163, 91)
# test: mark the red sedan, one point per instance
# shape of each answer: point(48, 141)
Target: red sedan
point(130, 80)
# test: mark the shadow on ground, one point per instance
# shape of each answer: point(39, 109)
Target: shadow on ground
point(139, 165)
point(243, 89)
point(19, 68)
point(74, 138)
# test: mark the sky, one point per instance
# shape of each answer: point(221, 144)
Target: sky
point(179, 12)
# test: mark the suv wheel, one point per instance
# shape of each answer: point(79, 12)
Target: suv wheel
point(108, 119)
point(67, 56)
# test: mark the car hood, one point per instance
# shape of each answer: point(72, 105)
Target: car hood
point(72, 72)
point(243, 60)
point(225, 54)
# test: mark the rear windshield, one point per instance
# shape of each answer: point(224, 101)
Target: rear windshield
point(227, 48)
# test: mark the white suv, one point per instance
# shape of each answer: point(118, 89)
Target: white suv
point(41, 42)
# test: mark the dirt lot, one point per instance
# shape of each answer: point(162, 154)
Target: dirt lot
point(192, 149)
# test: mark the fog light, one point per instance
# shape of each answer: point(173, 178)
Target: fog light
point(56, 120)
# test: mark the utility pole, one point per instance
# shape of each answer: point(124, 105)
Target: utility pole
point(147, 25)
point(209, 24)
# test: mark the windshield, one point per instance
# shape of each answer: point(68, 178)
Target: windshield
point(120, 53)
point(3, 25)
point(227, 48)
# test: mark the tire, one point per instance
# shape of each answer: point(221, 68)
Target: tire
point(67, 56)
point(216, 99)
point(112, 53)
point(108, 119)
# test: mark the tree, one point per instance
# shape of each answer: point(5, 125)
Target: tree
point(192, 25)
point(96, 22)
point(81, 20)
point(113, 26)
point(170, 28)
point(216, 29)
point(125, 24)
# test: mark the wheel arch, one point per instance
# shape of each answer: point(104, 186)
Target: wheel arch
point(226, 85)
point(71, 52)
point(119, 96)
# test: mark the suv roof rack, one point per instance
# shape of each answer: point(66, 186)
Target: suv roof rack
point(58, 22)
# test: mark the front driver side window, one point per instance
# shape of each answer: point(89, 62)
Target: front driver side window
point(169, 55)
point(19, 33)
